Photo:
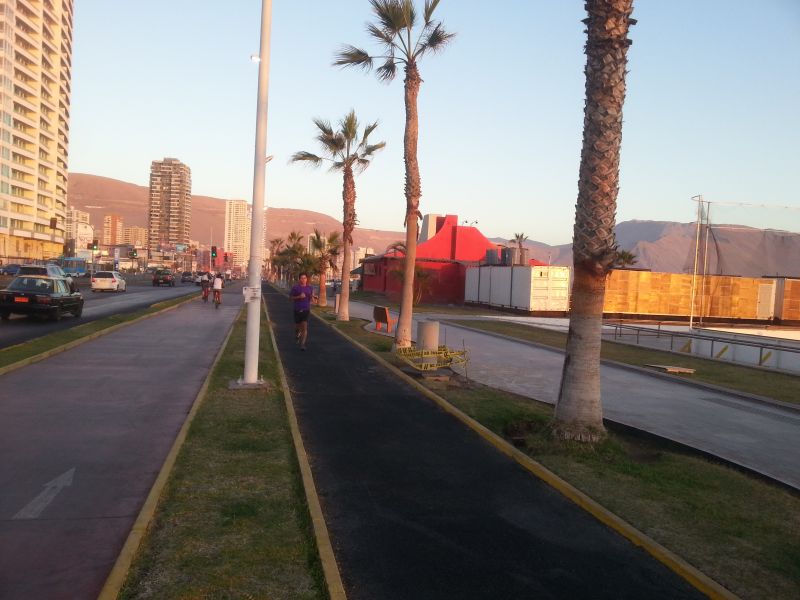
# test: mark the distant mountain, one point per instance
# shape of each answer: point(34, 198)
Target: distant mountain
point(669, 247)
point(658, 245)
point(101, 196)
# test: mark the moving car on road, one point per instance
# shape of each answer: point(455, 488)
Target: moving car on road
point(108, 280)
point(9, 269)
point(187, 276)
point(40, 295)
point(50, 270)
point(163, 277)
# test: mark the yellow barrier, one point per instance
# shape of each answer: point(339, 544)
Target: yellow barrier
point(421, 359)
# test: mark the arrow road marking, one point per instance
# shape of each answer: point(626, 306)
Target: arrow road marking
point(35, 507)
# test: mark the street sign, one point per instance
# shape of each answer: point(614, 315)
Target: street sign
point(251, 294)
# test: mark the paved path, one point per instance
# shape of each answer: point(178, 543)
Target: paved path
point(419, 506)
point(760, 437)
point(95, 423)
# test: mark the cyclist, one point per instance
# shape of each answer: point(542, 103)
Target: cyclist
point(218, 284)
point(205, 283)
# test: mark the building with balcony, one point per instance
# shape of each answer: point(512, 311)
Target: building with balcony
point(238, 222)
point(169, 216)
point(134, 236)
point(35, 79)
point(74, 217)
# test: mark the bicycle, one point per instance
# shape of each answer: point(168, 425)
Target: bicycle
point(217, 298)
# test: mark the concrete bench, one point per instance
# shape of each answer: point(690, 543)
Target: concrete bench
point(381, 316)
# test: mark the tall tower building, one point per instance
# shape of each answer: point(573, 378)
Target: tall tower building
point(112, 230)
point(238, 220)
point(74, 217)
point(170, 215)
point(35, 79)
point(134, 236)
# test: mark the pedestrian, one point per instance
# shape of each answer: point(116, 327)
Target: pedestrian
point(302, 295)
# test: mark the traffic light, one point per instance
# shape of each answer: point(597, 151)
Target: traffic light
point(94, 244)
point(132, 254)
point(135, 253)
point(213, 252)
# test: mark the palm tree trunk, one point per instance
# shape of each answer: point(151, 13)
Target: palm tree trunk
point(413, 194)
point(348, 224)
point(323, 292)
point(579, 412)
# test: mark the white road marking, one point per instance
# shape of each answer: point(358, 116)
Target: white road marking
point(35, 507)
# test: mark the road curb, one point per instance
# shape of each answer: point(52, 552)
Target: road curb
point(330, 568)
point(641, 370)
point(87, 338)
point(672, 561)
point(119, 571)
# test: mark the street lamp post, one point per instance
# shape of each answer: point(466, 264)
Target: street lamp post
point(252, 331)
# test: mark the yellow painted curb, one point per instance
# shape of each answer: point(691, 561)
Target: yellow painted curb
point(330, 568)
point(87, 338)
point(119, 572)
point(694, 576)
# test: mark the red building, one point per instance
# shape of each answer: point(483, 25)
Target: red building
point(441, 263)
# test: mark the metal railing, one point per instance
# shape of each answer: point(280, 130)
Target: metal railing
point(717, 344)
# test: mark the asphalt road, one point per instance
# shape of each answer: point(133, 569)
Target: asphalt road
point(140, 294)
point(82, 437)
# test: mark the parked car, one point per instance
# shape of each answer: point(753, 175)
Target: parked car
point(40, 295)
point(108, 280)
point(163, 277)
point(9, 269)
point(50, 270)
point(187, 276)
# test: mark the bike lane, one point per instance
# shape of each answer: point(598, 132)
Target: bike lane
point(418, 506)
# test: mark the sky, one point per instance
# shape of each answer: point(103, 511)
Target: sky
point(712, 107)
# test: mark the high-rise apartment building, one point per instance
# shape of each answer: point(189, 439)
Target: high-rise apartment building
point(170, 214)
point(74, 217)
point(35, 79)
point(238, 221)
point(134, 236)
point(112, 230)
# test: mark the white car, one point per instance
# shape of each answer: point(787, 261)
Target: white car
point(108, 280)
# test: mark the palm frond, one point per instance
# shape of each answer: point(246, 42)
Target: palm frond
point(350, 56)
point(349, 126)
point(338, 165)
point(368, 131)
point(430, 6)
point(323, 125)
point(304, 156)
point(373, 148)
point(390, 15)
point(434, 41)
point(383, 36)
point(409, 14)
point(387, 71)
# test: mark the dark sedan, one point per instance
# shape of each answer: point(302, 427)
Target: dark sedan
point(39, 295)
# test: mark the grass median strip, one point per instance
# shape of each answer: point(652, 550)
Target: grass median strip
point(738, 529)
point(41, 345)
point(232, 521)
point(778, 386)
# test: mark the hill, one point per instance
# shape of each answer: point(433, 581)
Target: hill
point(658, 245)
point(100, 196)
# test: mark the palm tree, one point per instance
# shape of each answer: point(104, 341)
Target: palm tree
point(275, 245)
point(401, 45)
point(625, 259)
point(347, 154)
point(579, 412)
point(519, 238)
point(327, 251)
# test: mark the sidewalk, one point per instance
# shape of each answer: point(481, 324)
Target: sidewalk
point(419, 506)
point(754, 435)
point(83, 435)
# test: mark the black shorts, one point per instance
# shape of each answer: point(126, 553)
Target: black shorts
point(300, 316)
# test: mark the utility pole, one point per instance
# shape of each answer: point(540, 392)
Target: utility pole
point(252, 332)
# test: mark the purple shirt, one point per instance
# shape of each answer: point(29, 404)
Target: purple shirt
point(302, 303)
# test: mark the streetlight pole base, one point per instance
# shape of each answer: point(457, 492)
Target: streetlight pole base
point(240, 384)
